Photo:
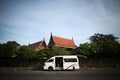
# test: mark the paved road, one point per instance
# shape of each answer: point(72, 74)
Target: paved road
point(59, 75)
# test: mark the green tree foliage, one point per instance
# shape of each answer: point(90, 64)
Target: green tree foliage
point(106, 45)
point(26, 53)
point(26, 56)
point(42, 53)
point(7, 52)
point(101, 37)
point(9, 49)
point(49, 52)
point(83, 49)
point(100, 46)
point(59, 51)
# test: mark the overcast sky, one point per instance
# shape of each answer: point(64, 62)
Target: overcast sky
point(29, 21)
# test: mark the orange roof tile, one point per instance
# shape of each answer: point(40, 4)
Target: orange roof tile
point(63, 42)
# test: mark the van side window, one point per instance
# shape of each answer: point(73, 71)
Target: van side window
point(70, 60)
point(51, 60)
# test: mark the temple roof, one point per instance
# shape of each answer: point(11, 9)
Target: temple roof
point(63, 42)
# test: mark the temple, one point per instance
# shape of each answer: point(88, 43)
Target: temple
point(61, 42)
point(38, 45)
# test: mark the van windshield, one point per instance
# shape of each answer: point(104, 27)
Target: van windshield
point(70, 60)
point(50, 60)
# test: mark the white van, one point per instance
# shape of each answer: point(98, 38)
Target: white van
point(68, 62)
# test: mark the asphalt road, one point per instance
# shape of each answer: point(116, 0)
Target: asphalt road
point(59, 75)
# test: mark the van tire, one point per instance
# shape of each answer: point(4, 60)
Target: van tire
point(50, 68)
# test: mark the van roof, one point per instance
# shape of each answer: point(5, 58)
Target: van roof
point(66, 56)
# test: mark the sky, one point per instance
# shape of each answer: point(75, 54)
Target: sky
point(29, 21)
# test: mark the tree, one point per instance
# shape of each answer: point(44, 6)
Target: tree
point(9, 49)
point(83, 49)
point(26, 56)
point(101, 37)
point(100, 46)
point(49, 52)
point(26, 53)
point(106, 45)
point(60, 51)
point(7, 52)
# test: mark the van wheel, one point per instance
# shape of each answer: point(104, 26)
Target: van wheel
point(50, 69)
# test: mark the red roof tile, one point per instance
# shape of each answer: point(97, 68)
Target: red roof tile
point(63, 42)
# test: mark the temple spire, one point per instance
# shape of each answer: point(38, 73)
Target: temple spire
point(43, 38)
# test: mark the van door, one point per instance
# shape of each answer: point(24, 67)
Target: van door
point(59, 63)
point(50, 64)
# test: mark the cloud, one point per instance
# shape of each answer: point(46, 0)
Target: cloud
point(30, 21)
